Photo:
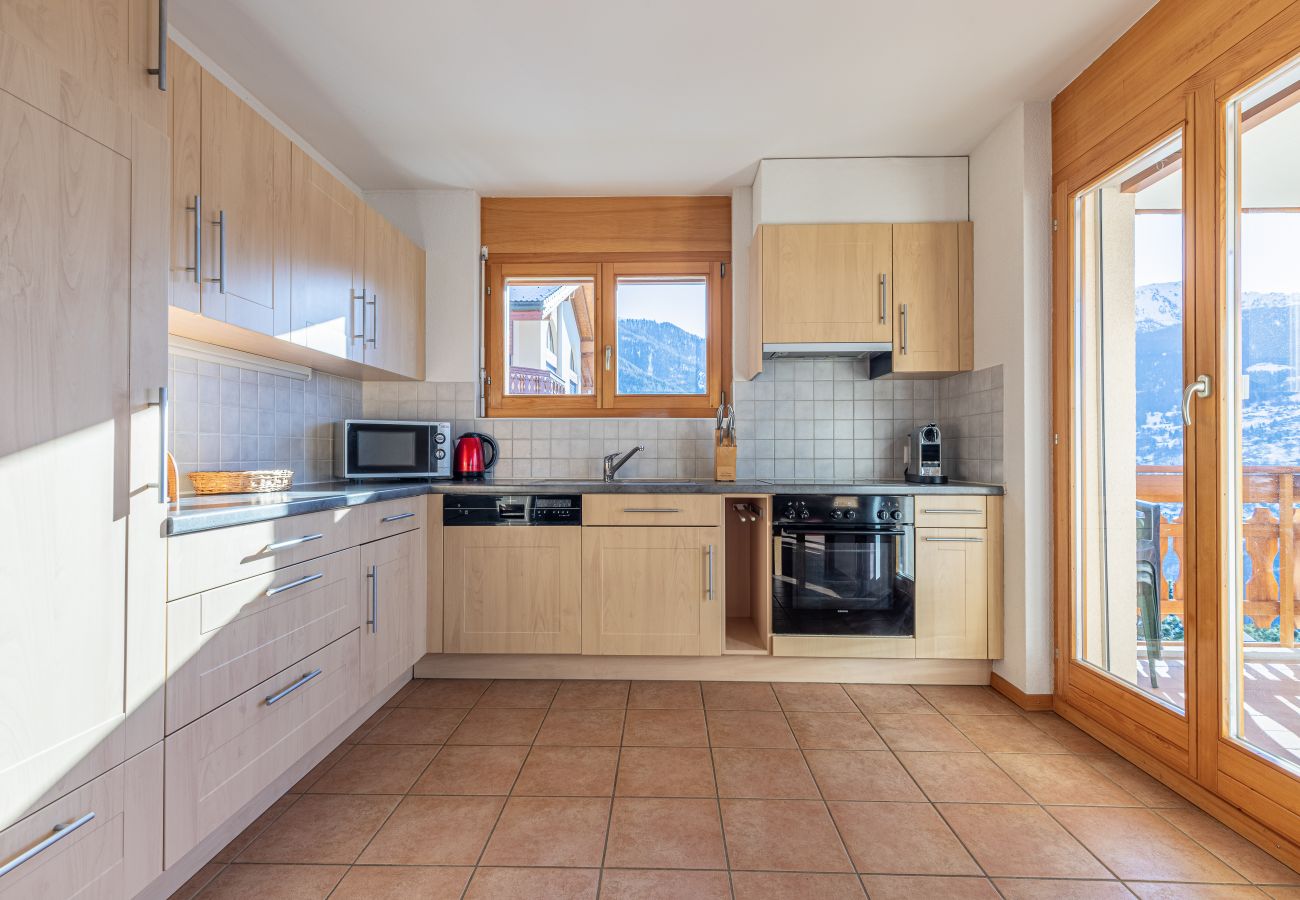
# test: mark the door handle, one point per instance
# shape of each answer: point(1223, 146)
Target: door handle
point(399, 517)
point(58, 833)
point(373, 621)
point(306, 579)
point(373, 303)
point(955, 540)
point(359, 318)
point(163, 404)
point(197, 209)
point(1202, 387)
point(709, 589)
point(293, 687)
point(902, 312)
point(220, 223)
point(294, 542)
point(161, 71)
point(884, 291)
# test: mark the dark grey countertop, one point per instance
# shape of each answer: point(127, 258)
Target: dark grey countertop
point(204, 513)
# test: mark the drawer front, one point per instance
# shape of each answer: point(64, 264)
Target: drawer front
point(218, 763)
point(108, 842)
point(223, 641)
point(652, 509)
point(374, 521)
point(949, 511)
point(208, 559)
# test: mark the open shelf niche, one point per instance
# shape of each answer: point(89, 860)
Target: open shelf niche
point(747, 526)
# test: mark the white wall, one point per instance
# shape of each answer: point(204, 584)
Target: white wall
point(1010, 204)
point(862, 189)
point(446, 224)
point(742, 234)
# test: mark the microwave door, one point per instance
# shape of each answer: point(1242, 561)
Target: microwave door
point(388, 450)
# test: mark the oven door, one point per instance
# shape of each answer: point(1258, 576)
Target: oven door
point(388, 450)
point(843, 581)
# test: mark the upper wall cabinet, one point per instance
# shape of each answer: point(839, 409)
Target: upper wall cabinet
point(394, 299)
point(934, 319)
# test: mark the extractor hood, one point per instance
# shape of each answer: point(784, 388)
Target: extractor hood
point(854, 350)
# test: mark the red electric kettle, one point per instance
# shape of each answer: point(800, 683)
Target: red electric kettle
point(468, 461)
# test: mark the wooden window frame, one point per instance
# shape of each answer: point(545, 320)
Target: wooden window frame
point(605, 402)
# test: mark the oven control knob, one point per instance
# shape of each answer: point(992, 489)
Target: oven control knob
point(837, 514)
point(896, 515)
point(789, 512)
point(850, 513)
point(803, 513)
point(881, 515)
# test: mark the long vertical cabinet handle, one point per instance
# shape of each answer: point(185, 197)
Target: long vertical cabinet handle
point(220, 223)
point(161, 71)
point(902, 311)
point(58, 833)
point(708, 592)
point(163, 405)
point(884, 298)
point(359, 318)
point(373, 303)
point(373, 621)
point(197, 209)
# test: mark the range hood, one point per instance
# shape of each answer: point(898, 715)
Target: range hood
point(853, 350)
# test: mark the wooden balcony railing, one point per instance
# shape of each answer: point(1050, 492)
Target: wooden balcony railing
point(534, 382)
point(1269, 538)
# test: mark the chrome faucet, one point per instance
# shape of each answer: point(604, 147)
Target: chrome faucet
point(614, 461)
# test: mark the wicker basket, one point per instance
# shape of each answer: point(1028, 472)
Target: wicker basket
point(259, 482)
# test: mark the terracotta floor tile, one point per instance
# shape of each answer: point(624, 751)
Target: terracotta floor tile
point(403, 882)
point(889, 699)
point(498, 726)
point(861, 775)
point(801, 697)
point(748, 728)
point(376, 769)
point(256, 827)
point(568, 772)
point(1020, 841)
point(913, 732)
point(967, 700)
point(401, 693)
point(549, 831)
point(519, 694)
point(239, 882)
point(413, 725)
point(1051, 778)
point(1232, 848)
point(900, 839)
point(908, 887)
point(665, 772)
point(320, 769)
point(591, 695)
point(365, 727)
point(833, 731)
point(582, 728)
point(434, 831)
point(664, 884)
point(1282, 893)
point(665, 728)
point(551, 884)
point(763, 774)
point(327, 829)
point(665, 695)
point(197, 882)
point(1138, 844)
point(782, 835)
point(1005, 734)
point(962, 778)
point(804, 885)
point(1137, 782)
point(472, 770)
point(1065, 734)
point(739, 695)
point(446, 693)
point(1051, 889)
point(1155, 890)
point(665, 834)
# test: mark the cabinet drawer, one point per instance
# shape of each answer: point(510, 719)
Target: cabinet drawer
point(651, 509)
point(223, 641)
point(108, 843)
point(208, 559)
point(218, 763)
point(949, 511)
point(380, 520)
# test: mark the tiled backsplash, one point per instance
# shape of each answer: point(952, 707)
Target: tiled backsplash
point(226, 417)
point(969, 408)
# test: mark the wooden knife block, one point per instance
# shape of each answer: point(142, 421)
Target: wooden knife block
point(724, 462)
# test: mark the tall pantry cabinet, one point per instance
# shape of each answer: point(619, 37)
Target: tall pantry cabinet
point(83, 298)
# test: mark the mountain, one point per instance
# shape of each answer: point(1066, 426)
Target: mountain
point(659, 358)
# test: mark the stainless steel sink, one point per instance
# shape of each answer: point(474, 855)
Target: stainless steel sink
point(631, 482)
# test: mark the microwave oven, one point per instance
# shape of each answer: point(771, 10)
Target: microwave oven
point(383, 448)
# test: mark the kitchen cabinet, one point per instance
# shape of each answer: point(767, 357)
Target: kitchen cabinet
point(393, 603)
point(150, 101)
point(433, 581)
point(959, 580)
point(512, 590)
point(652, 591)
point(393, 323)
point(933, 289)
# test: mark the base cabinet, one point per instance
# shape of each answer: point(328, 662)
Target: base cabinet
point(392, 581)
point(952, 597)
point(512, 590)
point(652, 591)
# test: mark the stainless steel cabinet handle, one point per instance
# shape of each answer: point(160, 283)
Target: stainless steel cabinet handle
point(163, 405)
point(359, 318)
point(955, 540)
point(373, 621)
point(197, 209)
point(902, 312)
point(951, 512)
point(307, 579)
point(58, 833)
point(293, 687)
point(709, 592)
point(648, 509)
point(399, 517)
point(373, 303)
point(884, 291)
point(609, 354)
point(294, 542)
point(1202, 387)
point(161, 71)
point(220, 223)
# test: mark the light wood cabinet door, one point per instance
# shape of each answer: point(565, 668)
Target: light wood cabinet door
point(392, 587)
point(149, 102)
point(88, 39)
point(244, 162)
point(823, 283)
point(328, 237)
point(652, 591)
point(433, 581)
point(394, 299)
point(512, 590)
point(188, 226)
point(952, 598)
point(933, 324)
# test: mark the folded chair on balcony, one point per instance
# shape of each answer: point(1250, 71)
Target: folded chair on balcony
point(1148, 591)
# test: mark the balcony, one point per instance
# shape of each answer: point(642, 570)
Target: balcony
point(534, 382)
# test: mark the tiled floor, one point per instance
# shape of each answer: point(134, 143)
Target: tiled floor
point(545, 789)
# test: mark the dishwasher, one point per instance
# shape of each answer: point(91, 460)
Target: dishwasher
point(512, 509)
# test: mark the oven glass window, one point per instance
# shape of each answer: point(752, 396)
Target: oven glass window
point(843, 583)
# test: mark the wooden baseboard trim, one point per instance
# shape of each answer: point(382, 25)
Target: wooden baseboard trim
point(705, 668)
point(1029, 702)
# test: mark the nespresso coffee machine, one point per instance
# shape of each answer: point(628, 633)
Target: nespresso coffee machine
point(923, 456)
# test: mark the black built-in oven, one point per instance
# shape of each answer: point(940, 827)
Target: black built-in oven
point(843, 565)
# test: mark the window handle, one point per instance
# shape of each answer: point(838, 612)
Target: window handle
point(1202, 387)
point(609, 353)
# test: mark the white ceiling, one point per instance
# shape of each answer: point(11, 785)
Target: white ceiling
point(629, 96)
